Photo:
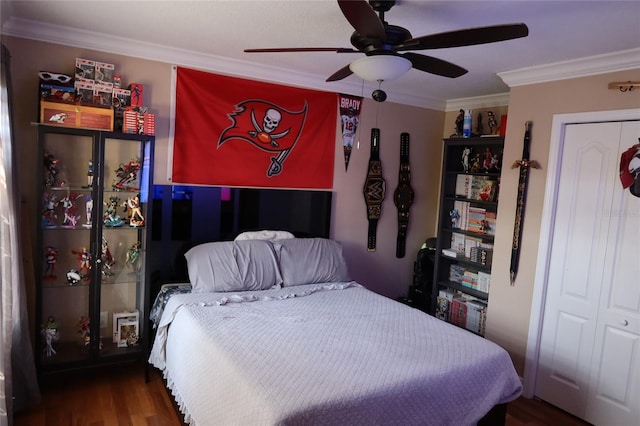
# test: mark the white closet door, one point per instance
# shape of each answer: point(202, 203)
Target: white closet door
point(614, 391)
point(590, 343)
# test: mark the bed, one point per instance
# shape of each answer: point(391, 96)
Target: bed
point(274, 332)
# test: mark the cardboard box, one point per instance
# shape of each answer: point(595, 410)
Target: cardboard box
point(85, 68)
point(104, 72)
point(137, 122)
point(103, 94)
point(55, 93)
point(121, 97)
point(84, 90)
point(149, 124)
point(130, 119)
point(137, 92)
point(80, 116)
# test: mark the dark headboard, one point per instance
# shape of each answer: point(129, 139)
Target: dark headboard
point(184, 216)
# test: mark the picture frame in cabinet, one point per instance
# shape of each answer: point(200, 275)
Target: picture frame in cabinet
point(128, 334)
point(120, 318)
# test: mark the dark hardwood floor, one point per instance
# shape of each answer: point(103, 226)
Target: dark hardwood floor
point(121, 396)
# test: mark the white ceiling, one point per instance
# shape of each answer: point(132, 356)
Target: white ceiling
point(566, 38)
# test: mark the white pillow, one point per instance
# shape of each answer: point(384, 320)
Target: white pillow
point(264, 235)
point(233, 266)
point(310, 261)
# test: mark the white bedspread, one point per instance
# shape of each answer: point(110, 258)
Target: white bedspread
point(335, 354)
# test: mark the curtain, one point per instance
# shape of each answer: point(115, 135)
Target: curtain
point(18, 383)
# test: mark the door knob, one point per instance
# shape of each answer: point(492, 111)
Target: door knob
point(624, 322)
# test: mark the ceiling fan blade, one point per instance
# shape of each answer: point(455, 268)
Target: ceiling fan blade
point(466, 37)
point(303, 49)
point(363, 18)
point(343, 72)
point(434, 65)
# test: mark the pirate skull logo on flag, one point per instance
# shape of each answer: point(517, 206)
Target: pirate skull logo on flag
point(267, 127)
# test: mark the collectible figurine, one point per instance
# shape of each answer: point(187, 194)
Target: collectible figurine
point(133, 254)
point(70, 219)
point(126, 174)
point(73, 277)
point(488, 160)
point(493, 123)
point(107, 259)
point(455, 217)
point(476, 165)
point(49, 216)
point(111, 218)
point(135, 215)
point(480, 125)
point(50, 334)
point(50, 171)
point(459, 123)
point(51, 257)
point(84, 258)
point(90, 174)
point(466, 153)
point(84, 330)
point(88, 207)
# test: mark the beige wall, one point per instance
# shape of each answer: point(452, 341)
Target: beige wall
point(510, 307)
point(380, 270)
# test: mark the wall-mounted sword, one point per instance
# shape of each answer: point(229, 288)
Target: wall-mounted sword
point(525, 164)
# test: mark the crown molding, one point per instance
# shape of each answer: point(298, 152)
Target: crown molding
point(582, 67)
point(35, 30)
point(477, 102)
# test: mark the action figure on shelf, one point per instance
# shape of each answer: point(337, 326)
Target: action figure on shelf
point(51, 257)
point(85, 330)
point(49, 216)
point(133, 255)
point(459, 123)
point(480, 125)
point(84, 258)
point(111, 218)
point(493, 123)
point(476, 165)
point(73, 277)
point(455, 217)
point(107, 259)
point(126, 174)
point(90, 174)
point(50, 171)
point(50, 334)
point(70, 219)
point(88, 208)
point(132, 205)
point(466, 153)
point(487, 164)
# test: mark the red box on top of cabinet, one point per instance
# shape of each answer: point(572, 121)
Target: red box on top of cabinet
point(79, 116)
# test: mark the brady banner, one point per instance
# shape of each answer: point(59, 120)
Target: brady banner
point(234, 132)
point(350, 118)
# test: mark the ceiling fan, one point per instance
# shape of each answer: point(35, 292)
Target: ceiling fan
point(383, 42)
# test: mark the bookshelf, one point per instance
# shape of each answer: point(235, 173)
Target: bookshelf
point(466, 228)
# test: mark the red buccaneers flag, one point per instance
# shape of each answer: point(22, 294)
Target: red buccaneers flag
point(235, 132)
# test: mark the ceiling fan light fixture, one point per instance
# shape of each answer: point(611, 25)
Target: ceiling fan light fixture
point(380, 67)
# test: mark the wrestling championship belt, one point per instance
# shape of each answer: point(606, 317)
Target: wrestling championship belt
point(374, 189)
point(403, 195)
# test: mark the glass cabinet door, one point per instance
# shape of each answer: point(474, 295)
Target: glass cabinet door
point(65, 245)
point(124, 225)
point(92, 241)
